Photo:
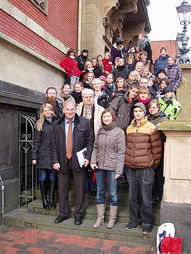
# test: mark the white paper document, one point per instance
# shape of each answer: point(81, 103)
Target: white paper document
point(81, 155)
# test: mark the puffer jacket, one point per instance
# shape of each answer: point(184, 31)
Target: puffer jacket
point(109, 149)
point(143, 145)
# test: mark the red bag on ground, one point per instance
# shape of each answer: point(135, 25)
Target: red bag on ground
point(171, 245)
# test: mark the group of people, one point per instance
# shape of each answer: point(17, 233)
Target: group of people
point(108, 107)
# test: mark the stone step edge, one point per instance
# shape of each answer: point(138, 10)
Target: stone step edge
point(38, 204)
point(86, 229)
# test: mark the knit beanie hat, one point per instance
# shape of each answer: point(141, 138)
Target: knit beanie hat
point(84, 50)
point(103, 78)
point(141, 106)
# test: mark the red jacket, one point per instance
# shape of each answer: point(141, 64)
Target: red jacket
point(71, 66)
point(106, 65)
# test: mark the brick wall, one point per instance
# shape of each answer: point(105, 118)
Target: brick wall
point(171, 47)
point(61, 22)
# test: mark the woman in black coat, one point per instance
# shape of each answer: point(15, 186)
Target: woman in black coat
point(42, 157)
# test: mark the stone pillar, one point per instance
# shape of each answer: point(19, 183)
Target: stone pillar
point(176, 202)
point(92, 27)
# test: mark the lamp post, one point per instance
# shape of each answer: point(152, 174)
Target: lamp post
point(184, 14)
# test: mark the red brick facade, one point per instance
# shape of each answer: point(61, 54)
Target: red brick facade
point(61, 22)
point(171, 47)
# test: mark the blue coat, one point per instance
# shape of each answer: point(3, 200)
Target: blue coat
point(160, 64)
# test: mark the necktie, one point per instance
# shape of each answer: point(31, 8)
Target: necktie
point(69, 142)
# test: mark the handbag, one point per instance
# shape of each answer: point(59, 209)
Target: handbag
point(171, 245)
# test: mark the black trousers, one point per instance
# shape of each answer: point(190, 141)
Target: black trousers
point(141, 181)
point(158, 182)
point(63, 189)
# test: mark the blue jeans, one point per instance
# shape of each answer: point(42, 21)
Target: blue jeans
point(100, 178)
point(141, 181)
point(47, 175)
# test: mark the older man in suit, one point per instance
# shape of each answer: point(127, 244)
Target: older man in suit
point(71, 134)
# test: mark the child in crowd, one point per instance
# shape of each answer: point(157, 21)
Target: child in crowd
point(104, 82)
point(97, 70)
point(77, 93)
point(144, 96)
point(116, 62)
point(139, 68)
point(145, 45)
point(107, 64)
point(133, 77)
point(143, 59)
point(147, 73)
point(162, 61)
point(70, 65)
point(110, 82)
point(88, 78)
point(132, 52)
point(65, 94)
point(99, 60)
point(168, 104)
point(163, 83)
point(174, 73)
point(131, 63)
point(121, 86)
point(160, 75)
point(118, 49)
point(87, 68)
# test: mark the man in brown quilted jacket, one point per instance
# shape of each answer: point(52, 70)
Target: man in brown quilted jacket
point(142, 157)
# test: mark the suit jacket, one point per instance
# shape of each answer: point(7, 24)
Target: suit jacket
point(82, 137)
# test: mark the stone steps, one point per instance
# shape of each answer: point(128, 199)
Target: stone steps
point(123, 212)
point(21, 217)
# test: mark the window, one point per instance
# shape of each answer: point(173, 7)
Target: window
point(41, 4)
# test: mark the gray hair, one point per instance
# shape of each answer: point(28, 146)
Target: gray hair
point(69, 102)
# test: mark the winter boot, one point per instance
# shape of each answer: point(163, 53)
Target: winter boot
point(43, 189)
point(113, 216)
point(52, 202)
point(100, 215)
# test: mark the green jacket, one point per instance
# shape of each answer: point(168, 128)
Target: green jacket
point(170, 108)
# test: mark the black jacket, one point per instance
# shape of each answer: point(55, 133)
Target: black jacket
point(82, 137)
point(97, 71)
point(77, 97)
point(81, 61)
point(42, 146)
point(106, 98)
point(122, 72)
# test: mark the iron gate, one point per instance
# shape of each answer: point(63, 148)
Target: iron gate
point(27, 172)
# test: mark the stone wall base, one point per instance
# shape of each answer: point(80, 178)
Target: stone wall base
point(180, 216)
